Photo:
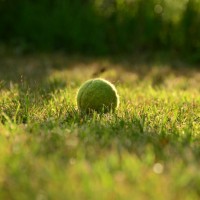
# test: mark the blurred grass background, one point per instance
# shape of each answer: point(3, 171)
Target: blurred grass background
point(103, 27)
point(149, 148)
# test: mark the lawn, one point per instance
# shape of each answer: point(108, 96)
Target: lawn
point(148, 149)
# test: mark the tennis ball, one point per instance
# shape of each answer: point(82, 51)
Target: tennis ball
point(97, 95)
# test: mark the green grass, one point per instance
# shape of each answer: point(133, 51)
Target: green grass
point(148, 149)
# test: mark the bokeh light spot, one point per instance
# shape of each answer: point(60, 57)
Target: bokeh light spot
point(158, 168)
point(158, 9)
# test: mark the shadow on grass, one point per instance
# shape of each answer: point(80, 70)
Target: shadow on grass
point(33, 69)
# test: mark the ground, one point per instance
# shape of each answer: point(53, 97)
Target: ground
point(148, 149)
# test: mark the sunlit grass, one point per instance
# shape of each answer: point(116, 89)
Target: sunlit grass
point(148, 149)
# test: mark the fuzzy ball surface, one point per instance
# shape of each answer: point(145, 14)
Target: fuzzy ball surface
point(97, 95)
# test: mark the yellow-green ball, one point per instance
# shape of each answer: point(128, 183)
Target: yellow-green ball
point(97, 95)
